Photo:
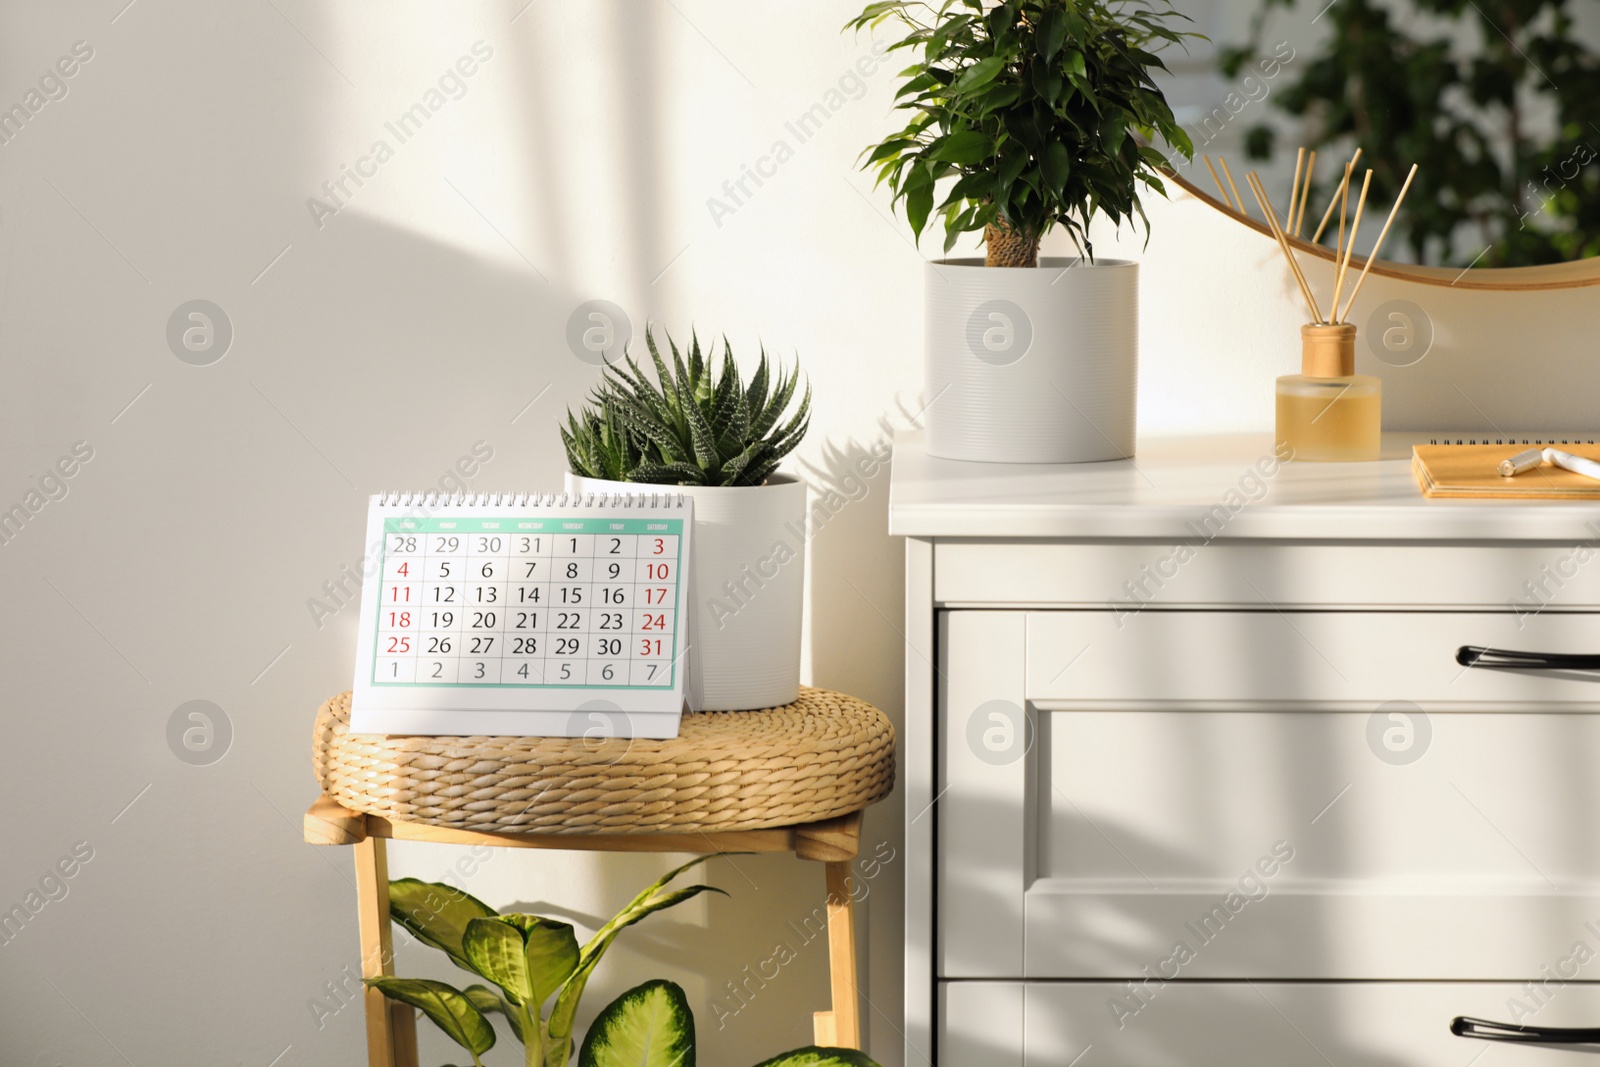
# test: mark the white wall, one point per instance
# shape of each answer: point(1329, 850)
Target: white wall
point(375, 351)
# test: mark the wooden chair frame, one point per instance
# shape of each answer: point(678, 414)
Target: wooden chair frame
point(391, 1026)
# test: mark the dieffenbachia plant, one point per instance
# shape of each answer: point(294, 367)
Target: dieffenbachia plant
point(651, 1026)
point(530, 960)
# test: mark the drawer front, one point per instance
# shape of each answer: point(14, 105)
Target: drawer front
point(1134, 576)
point(1338, 845)
point(1280, 659)
point(1260, 796)
point(1255, 1024)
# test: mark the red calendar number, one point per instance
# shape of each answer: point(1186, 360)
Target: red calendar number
point(652, 646)
point(654, 622)
point(399, 620)
point(656, 572)
point(399, 644)
point(404, 570)
point(399, 594)
point(655, 596)
point(658, 547)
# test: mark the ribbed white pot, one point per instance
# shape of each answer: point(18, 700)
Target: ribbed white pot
point(1031, 364)
point(747, 584)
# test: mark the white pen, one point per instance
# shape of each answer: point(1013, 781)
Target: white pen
point(1533, 457)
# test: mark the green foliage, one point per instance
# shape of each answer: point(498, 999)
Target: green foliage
point(651, 1025)
point(529, 958)
point(1029, 114)
point(698, 424)
point(812, 1056)
point(448, 1008)
point(1410, 96)
point(436, 915)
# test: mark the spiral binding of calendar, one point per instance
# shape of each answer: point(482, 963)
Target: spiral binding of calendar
point(434, 498)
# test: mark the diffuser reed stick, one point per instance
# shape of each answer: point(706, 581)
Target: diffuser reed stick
point(1379, 246)
point(1231, 185)
point(1350, 245)
point(1305, 193)
point(1216, 178)
point(1343, 188)
point(1294, 189)
point(1270, 212)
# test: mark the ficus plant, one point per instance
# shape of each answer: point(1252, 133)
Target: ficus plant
point(1026, 115)
point(532, 961)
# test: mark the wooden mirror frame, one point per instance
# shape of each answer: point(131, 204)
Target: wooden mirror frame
point(1573, 275)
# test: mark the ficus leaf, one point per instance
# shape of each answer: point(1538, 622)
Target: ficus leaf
point(1052, 30)
point(979, 74)
point(967, 146)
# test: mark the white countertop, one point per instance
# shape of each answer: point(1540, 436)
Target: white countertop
point(1166, 490)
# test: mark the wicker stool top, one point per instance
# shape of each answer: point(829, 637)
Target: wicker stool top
point(823, 756)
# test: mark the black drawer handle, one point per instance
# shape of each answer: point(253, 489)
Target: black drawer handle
point(1485, 1030)
point(1510, 659)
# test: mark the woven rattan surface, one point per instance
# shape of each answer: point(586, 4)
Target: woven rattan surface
point(823, 756)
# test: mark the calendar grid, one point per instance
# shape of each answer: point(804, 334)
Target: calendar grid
point(529, 603)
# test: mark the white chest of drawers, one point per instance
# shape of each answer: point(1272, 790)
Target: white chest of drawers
point(1195, 776)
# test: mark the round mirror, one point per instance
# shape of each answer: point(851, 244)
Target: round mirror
point(1496, 101)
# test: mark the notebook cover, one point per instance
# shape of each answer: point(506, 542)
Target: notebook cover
point(1471, 471)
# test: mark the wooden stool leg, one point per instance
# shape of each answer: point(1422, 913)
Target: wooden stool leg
point(391, 1026)
point(841, 1027)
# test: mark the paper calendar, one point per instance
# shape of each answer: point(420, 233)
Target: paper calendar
point(513, 614)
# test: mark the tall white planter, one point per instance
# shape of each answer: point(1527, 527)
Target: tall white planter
point(1031, 364)
point(747, 588)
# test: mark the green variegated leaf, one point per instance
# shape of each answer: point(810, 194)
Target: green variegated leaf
point(655, 897)
point(487, 1000)
point(813, 1056)
point(436, 914)
point(449, 1009)
point(551, 951)
point(496, 951)
point(648, 1026)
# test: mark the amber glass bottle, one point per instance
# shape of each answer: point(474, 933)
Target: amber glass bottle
point(1328, 412)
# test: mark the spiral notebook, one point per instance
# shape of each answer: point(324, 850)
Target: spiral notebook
point(558, 616)
point(1468, 468)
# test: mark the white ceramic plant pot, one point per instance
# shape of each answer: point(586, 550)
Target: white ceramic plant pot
point(747, 585)
point(1031, 364)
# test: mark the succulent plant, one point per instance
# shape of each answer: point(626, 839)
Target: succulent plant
point(697, 424)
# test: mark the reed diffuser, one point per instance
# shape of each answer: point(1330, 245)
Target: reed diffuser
point(1327, 412)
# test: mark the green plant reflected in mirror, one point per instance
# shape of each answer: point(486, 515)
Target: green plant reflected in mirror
point(1497, 100)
